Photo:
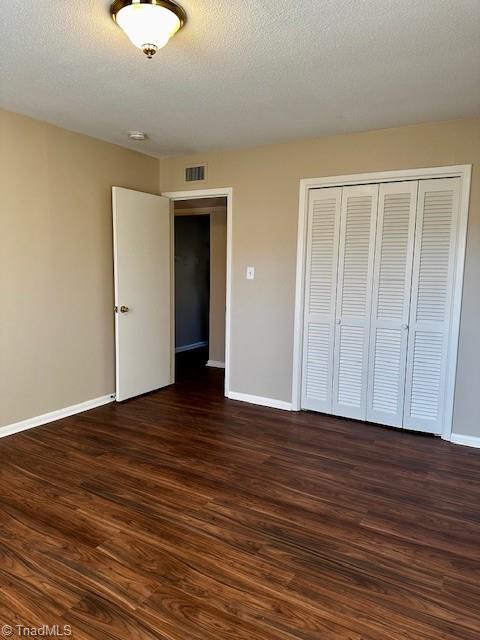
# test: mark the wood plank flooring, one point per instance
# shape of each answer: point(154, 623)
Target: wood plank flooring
point(184, 516)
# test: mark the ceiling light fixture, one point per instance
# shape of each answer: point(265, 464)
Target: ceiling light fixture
point(148, 23)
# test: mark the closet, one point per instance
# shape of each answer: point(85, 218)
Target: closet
point(379, 278)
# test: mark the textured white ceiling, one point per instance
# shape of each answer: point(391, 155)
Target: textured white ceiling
point(243, 72)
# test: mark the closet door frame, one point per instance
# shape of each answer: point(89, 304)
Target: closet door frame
point(458, 171)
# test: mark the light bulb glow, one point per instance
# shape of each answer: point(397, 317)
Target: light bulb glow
point(149, 26)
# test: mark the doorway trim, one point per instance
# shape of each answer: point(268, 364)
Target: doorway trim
point(226, 192)
point(463, 172)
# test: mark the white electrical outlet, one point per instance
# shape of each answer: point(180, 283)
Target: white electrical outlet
point(250, 273)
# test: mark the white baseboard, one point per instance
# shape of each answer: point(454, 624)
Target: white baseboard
point(467, 441)
point(189, 347)
point(264, 402)
point(30, 423)
point(216, 363)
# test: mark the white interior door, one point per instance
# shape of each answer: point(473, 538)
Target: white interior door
point(320, 293)
point(430, 311)
point(354, 294)
point(142, 262)
point(392, 277)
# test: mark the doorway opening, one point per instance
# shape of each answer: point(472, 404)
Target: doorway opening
point(200, 272)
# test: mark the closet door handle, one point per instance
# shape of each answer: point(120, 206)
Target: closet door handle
point(339, 321)
point(124, 309)
point(405, 326)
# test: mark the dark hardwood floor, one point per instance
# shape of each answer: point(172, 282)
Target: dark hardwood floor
point(184, 516)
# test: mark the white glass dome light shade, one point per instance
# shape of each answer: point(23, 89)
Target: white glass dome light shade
point(149, 24)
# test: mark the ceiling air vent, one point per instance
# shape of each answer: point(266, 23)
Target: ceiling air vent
point(196, 173)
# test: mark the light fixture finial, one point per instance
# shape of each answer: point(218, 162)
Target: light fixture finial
point(150, 50)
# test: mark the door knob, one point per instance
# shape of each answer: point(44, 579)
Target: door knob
point(405, 326)
point(339, 321)
point(124, 309)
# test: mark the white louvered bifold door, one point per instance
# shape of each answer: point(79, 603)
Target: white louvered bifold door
point(354, 294)
point(320, 292)
point(432, 287)
point(397, 204)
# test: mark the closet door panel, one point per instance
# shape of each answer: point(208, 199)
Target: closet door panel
point(391, 302)
point(432, 283)
point(320, 294)
point(354, 292)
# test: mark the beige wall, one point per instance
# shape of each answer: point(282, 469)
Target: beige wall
point(56, 280)
point(56, 253)
point(265, 185)
point(218, 277)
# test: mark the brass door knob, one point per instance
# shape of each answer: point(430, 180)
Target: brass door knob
point(124, 309)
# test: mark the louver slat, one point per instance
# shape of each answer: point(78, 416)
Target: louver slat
point(320, 294)
point(391, 302)
point(350, 367)
point(426, 375)
point(355, 271)
point(317, 370)
point(432, 284)
point(387, 366)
